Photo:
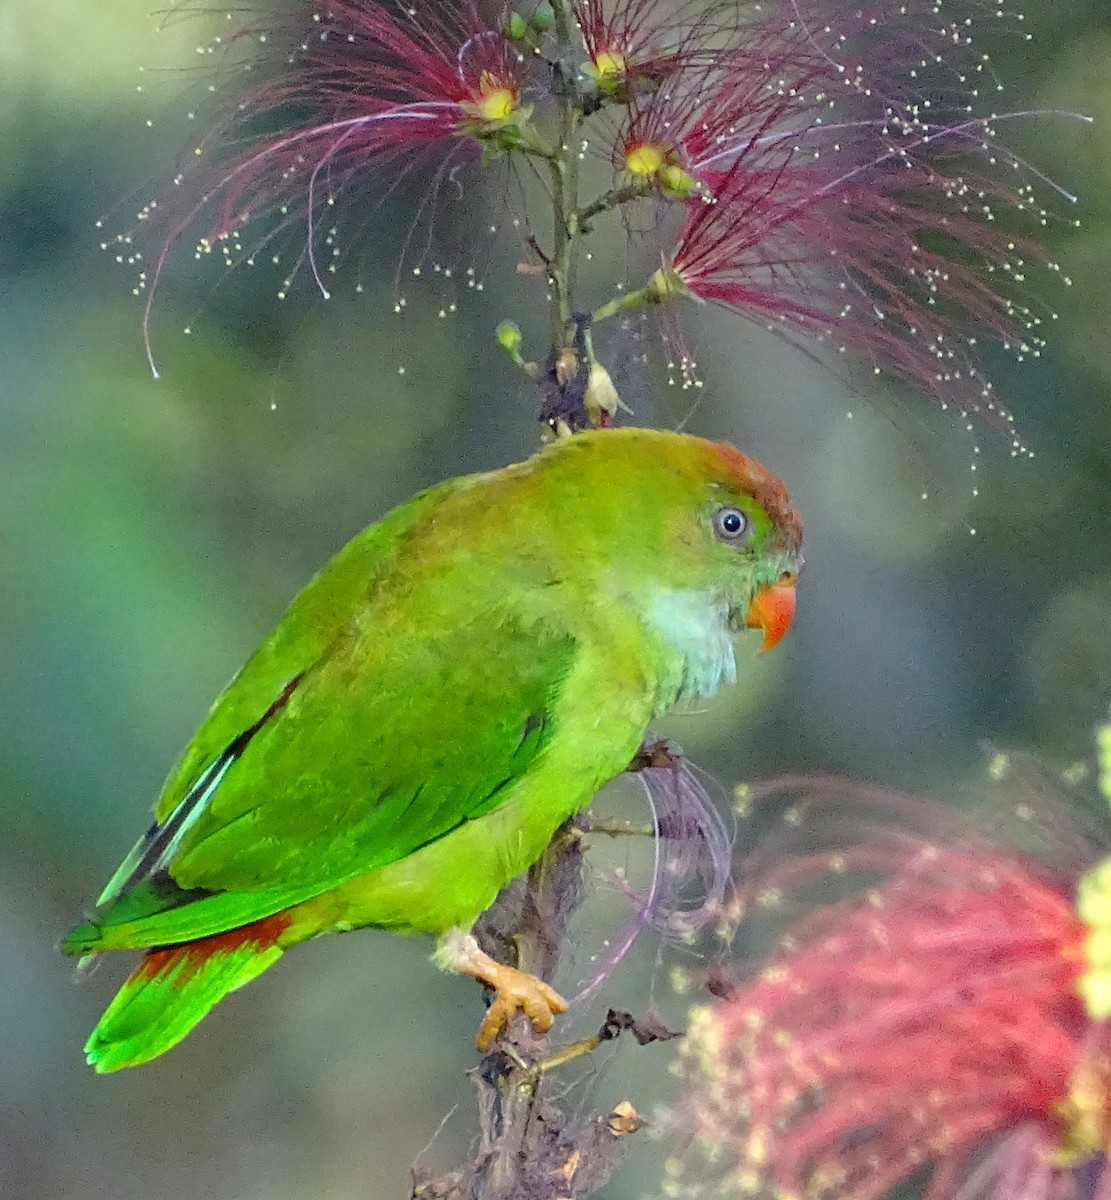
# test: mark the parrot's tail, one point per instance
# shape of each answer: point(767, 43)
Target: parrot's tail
point(175, 986)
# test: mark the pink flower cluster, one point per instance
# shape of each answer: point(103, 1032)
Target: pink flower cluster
point(828, 168)
point(929, 1025)
point(840, 187)
point(377, 95)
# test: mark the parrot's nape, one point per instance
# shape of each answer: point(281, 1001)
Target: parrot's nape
point(458, 681)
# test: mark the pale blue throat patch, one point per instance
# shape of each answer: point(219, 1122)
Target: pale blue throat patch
point(697, 629)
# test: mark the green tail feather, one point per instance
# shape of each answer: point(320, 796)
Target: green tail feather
point(155, 914)
point(174, 987)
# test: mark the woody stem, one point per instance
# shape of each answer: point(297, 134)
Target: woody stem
point(564, 171)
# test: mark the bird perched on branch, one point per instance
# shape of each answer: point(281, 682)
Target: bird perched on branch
point(459, 680)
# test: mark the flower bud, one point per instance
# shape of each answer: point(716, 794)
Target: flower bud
point(508, 335)
point(543, 17)
point(601, 399)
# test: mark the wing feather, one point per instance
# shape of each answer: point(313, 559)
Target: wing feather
point(372, 755)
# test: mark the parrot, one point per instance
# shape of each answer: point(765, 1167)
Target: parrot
point(455, 684)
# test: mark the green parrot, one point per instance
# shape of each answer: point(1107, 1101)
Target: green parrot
point(458, 681)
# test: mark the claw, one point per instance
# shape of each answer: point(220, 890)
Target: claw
point(515, 990)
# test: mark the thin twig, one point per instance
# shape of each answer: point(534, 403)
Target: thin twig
point(614, 198)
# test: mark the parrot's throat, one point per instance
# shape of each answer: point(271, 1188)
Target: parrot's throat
point(698, 649)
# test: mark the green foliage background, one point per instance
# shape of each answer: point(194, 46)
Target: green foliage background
point(152, 532)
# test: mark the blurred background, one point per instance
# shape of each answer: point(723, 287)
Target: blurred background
point(153, 531)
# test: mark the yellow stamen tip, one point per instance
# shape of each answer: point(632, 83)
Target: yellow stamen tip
point(609, 64)
point(1095, 990)
point(1093, 903)
point(495, 103)
point(644, 161)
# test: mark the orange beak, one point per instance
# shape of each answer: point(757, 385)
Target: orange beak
point(771, 610)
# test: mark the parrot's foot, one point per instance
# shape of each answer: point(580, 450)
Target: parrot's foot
point(515, 991)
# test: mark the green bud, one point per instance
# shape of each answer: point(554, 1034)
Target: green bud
point(676, 182)
point(543, 17)
point(517, 28)
point(508, 334)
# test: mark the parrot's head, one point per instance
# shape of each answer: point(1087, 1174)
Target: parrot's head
point(698, 535)
point(747, 540)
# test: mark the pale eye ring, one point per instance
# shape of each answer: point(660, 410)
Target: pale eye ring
point(731, 524)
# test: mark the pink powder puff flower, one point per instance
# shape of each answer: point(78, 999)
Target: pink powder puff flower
point(944, 1026)
point(839, 188)
point(375, 92)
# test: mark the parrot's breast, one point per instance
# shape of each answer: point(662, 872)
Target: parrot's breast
point(694, 629)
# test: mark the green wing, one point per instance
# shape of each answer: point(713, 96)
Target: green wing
point(355, 765)
point(351, 739)
point(368, 761)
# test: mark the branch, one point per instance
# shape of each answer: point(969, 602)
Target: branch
point(528, 1148)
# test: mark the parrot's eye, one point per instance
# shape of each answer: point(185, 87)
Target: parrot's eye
point(730, 524)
